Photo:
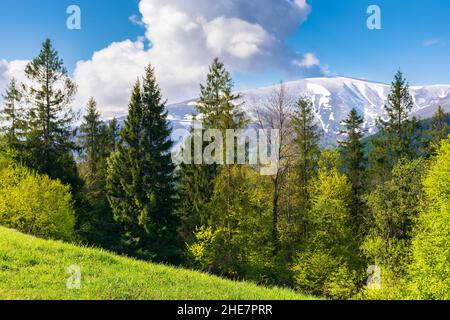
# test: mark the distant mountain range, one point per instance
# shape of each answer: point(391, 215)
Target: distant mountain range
point(333, 98)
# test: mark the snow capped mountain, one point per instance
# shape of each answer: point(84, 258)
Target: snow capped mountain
point(333, 98)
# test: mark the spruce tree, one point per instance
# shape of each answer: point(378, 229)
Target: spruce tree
point(217, 103)
point(220, 109)
point(353, 157)
point(307, 138)
point(140, 179)
point(91, 136)
point(112, 134)
point(95, 223)
point(50, 116)
point(12, 117)
point(398, 134)
point(439, 129)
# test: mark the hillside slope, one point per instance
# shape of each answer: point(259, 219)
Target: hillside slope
point(32, 268)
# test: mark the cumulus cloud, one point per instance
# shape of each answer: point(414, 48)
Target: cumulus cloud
point(184, 37)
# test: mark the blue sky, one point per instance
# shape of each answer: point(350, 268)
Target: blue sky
point(415, 37)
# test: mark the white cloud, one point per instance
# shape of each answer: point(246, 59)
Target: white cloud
point(236, 37)
point(433, 42)
point(308, 60)
point(184, 37)
point(134, 19)
point(8, 70)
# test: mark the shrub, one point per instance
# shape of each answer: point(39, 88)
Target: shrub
point(35, 204)
point(312, 270)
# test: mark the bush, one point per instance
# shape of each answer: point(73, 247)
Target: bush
point(312, 270)
point(35, 204)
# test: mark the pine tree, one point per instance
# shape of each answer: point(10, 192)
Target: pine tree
point(50, 117)
point(217, 103)
point(95, 223)
point(140, 179)
point(307, 152)
point(220, 110)
point(91, 136)
point(353, 156)
point(398, 137)
point(112, 133)
point(439, 129)
point(12, 115)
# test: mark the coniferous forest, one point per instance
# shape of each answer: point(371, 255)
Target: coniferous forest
point(368, 218)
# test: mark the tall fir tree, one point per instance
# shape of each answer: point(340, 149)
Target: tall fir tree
point(220, 109)
point(217, 103)
point(438, 130)
point(307, 138)
point(140, 180)
point(112, 132)
point(352, 151)
point(95, 223)
point(12, 116)
point(50, 116)
point(91, 135)
point(399, 134)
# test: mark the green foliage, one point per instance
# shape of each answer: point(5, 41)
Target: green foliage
point(394, 205)
point(195, 188)
point(438, 130)
point(401, 135)
point(430, 270)
point(12, 115)
point(329, 249)
point(35, 204)
point(95, 223)
point(307, 143)
point(321, 272)
point(307, 152)
point(220, 109)
point(237, 240)
point(393, 210)
point(352, 151)
point(217, 102)
point(140, 180)
point(312, 270)
point(49, 136)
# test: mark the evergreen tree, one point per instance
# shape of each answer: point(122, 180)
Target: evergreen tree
point(95, 223)
point(307, 152)
point(91, 136)
point(353, 157)
point(217, 103)
point(195, 189)
point(398, 137)
point(439, 128)
point(12, 116)
point(140, 179)
point(50, 117)
point(220, 110)
point(112, 132)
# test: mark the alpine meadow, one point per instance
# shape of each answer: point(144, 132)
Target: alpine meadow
point(145, 173)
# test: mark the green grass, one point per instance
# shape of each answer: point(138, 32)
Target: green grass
point(32, 268)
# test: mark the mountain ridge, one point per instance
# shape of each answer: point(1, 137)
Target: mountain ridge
point(333, 98)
